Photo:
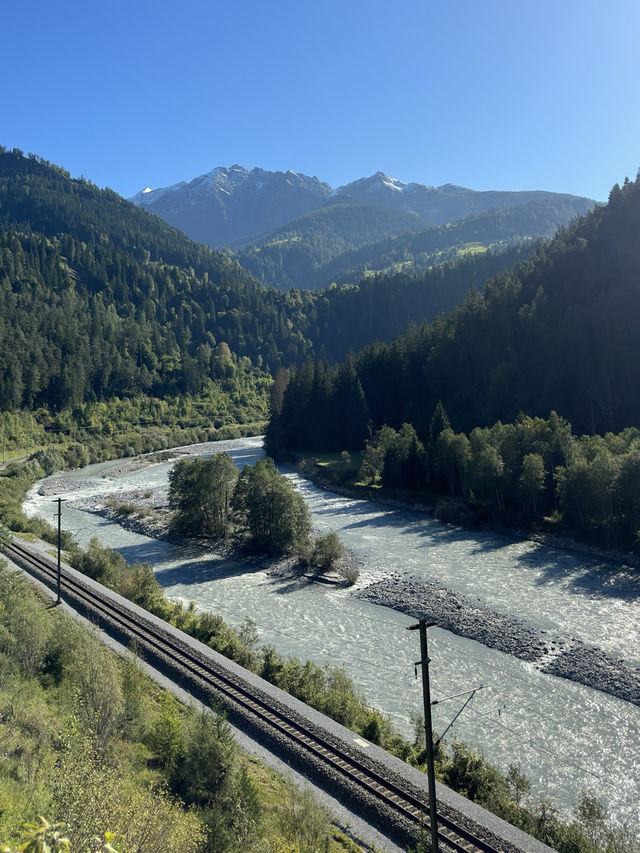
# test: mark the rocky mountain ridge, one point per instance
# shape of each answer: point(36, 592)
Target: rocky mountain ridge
point(230, 206)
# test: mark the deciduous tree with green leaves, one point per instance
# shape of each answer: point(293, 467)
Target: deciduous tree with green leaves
point(275, 514)
point(200, 495)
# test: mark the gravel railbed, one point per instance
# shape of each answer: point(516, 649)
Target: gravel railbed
point(565, 657)
point(358, 829)
point(406, 778)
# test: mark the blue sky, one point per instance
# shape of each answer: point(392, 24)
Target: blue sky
point(527, 94)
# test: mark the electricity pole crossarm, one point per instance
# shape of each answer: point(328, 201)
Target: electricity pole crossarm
point(464, 705)
point(457, 695)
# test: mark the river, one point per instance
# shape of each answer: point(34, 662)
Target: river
point(565, 737)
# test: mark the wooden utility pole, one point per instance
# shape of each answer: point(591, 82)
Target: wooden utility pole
point(59, 502)
point(428, 732)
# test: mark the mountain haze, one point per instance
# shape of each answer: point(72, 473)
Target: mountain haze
point(447, 203)
point(231, 205)
point(291, 230)
point(341, 243)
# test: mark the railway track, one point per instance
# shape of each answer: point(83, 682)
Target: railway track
point(240, 695)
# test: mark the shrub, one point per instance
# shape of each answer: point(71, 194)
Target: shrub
point(327, 549)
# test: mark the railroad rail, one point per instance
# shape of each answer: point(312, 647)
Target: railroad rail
point(235, 693)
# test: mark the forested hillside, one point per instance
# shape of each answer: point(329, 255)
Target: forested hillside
point(341, 243)
point(560, 331)
point(297, 254)
point(99, 299)
point(491, 230)
point(349, 317)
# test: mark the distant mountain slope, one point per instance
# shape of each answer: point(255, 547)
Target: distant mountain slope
point(228, 205)
point(448, 203)
point(560, 331)
point(292, 230)
point(296, 254)
point(39, 196)
point(348, 317)
point(310, 252)
point(100, 298)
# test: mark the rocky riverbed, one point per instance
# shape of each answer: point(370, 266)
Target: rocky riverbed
point(562, 656)
point(147, 512)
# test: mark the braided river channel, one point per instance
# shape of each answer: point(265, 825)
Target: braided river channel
point(566, 737)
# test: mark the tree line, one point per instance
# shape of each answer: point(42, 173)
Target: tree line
point(415, 250)
point(533, 471)
point(558, 333)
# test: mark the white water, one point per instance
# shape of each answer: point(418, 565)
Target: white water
point(565, 737)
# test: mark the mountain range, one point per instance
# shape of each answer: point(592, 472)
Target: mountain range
point(310, 224)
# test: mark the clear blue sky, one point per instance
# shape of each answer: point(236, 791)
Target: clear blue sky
point(500, 94)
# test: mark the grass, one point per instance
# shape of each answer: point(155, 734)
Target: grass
point(472, 249)
point(332, 460)
point(274, 790)
point(40, 724)
point(20, 452)
point(29, 537)
point(295, 238)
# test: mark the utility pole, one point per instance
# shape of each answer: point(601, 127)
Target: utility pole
point(428, 733)
point(59, 502)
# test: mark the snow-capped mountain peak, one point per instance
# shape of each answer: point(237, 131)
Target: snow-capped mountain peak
point(231, 205)
point(232, 202)
point(379, 182)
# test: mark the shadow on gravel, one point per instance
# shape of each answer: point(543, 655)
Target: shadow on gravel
point(389, 518)
point(282, 586)
point(246, 456)
point(492, 544)
point(438, 533)
point(356, 508)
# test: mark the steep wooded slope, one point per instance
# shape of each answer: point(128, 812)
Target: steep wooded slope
point(559, 332)
point(99, 298)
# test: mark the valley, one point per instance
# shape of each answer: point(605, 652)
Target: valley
point(308, 235)
point(417, 369)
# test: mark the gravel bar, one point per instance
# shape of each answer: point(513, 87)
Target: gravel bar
point(565, 657)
